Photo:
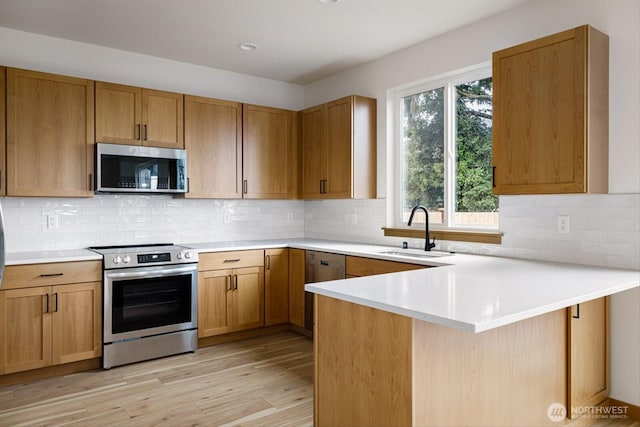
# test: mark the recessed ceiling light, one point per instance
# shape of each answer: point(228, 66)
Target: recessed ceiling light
point(248, 46)
point(328, 1)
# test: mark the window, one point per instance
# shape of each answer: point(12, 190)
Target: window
point(443, 152)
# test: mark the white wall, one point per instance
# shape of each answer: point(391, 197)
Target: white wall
point(41, 53)
point(605, 229)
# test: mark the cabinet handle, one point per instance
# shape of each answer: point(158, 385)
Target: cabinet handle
point(577, 315)
point(268, 262)
point(232, 260)
point(235, 279)
point(52, 275)
point(137, 132)
point(493, 177)
point(46, 303)
point(90, 182)
point(229, 287)
point(245, 186)
point(55, 306)
point(145, 132)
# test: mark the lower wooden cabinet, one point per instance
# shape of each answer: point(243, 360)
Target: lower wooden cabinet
point(49, 325)
point(276, 286)
point(230, 299)
point(358, 266)
point(296, 287)
point(587, 353)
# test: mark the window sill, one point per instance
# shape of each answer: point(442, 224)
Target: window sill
point(493, 237)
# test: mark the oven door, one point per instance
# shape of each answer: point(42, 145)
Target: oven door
point(144, 301)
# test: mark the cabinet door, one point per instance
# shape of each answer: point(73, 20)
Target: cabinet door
point(339, 146)
point(50, 135)
point(248, 298)
point(118, 114)
point(25, 329)
point(550, 115)
point(214, 302)
point(296, 286)
point(162, 119)
point(587, 352)
point(314, 153)
point(213, 139)
point(268, 153)
point(76, 321)
point(3, 188)
point(276, 286)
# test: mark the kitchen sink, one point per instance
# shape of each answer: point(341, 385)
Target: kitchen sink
point(416, 254)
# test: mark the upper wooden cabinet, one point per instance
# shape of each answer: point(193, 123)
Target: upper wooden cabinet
point(339, 149)
point(213, 139)
point(551, 114)
point(136, 116)
point(49, 135)
point(269, 153)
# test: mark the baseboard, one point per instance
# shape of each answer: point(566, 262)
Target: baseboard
point(302, 331)
point(632, 411)
point(242, 335)
point(49, 372)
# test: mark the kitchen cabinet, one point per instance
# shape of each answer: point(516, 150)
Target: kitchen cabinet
point(137, 116)
point(49, 325)
point(50, 125)
point(587, 358)
point(296, 286)
point(213, 140)
point(3, 189)
point(551, 113)
point(230, 292)
point(358, 266)
point(276, 286)
point(339, 149)
point(269, 153)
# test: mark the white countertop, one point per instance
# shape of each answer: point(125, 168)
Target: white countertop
point(469, 292)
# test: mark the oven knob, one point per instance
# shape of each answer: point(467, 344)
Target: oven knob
point(117, 259)
point(187, 255)
point(179, 255)
point(126, 259)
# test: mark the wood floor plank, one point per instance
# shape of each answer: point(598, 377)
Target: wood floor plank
point(265, 381)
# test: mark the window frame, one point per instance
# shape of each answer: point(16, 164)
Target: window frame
point(395, 186)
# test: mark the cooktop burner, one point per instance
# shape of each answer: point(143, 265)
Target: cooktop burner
point(125, 256)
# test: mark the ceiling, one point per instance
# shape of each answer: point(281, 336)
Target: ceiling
point(299, 41)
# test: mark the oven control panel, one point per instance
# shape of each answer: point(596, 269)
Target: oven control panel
point(140, 257)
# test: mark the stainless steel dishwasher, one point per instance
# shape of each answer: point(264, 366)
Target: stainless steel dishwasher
point(320, 267)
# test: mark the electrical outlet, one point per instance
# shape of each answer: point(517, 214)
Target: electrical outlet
point(563, 224)
point(289, 216)
point(226, 218)
point(52, 221)
point(354, 218)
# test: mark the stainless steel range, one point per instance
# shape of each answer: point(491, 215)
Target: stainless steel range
point(149, 302)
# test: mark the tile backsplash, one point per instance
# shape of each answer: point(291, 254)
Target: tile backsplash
point(604, 229)
point(129, 219)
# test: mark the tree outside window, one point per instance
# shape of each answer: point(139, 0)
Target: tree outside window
point(446, 153)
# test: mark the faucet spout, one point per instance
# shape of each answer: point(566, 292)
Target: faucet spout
point(427, 244)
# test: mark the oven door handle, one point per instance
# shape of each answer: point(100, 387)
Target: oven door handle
point(162, 272)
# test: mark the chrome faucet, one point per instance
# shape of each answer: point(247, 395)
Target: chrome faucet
point(427, 244)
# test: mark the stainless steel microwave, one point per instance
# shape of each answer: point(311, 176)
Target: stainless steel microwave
point(138, 169)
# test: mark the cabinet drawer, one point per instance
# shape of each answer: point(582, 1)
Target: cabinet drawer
point(357, 266)
point(232, 259)
point(30, 275)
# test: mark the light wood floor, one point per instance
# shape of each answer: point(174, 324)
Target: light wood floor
point(264, 381)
